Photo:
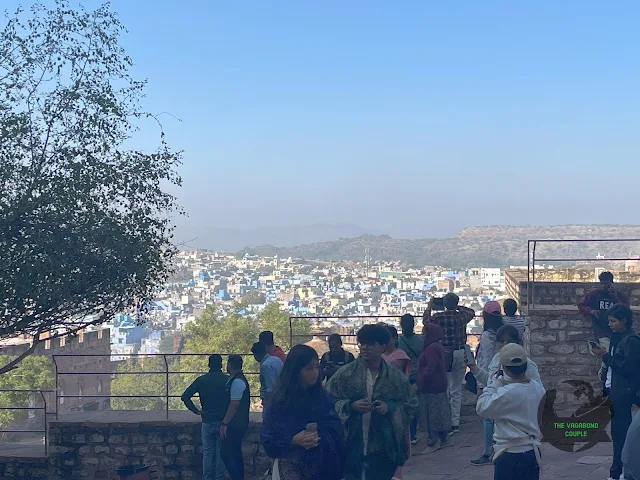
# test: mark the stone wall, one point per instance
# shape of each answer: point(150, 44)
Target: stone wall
point(556, 339)
point(95, 449)
point(558, 293)
point(24, 467)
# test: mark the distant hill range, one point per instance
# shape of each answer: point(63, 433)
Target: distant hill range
point(497, 246)
point(202, 235)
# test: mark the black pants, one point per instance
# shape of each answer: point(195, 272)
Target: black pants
point(376, 467)
point(517, 466)
point(231, 453)
point(620, 420)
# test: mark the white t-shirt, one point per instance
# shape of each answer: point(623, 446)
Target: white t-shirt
point(237, 389)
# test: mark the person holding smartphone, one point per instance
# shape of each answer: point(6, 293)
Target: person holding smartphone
point(376, 402)
point(454, 322)
point(622, 362)
point(301, 430)
point(505, 335)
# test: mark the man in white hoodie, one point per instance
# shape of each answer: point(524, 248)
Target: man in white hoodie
point(512, 400)
point(505, 335)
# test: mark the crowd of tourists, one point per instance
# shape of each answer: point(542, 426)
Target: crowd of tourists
point(341, 417)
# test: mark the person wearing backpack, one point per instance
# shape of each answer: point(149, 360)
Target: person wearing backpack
point(622, 382)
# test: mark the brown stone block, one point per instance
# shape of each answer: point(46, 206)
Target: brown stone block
point(89, 461)
point(96, 438)
point(118, 439)
point(537, 350)
point(583, 360)
point(546, 360)
point(539, 337)
point(557, 324)
point(101, 449)
point(84, 450)
point(136, 439)
point(110, 463)
point(562, 349)
point(171, 449)
point(187, 449)
point(140, 450)
point(578, 371)
point(80, 438)
point(579, 323)
point(156, 451)
point(536, 325)
point(122, 450)
point(155, 437)
point(577, 335)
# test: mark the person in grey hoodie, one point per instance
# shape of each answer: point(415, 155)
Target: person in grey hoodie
point(630, 457)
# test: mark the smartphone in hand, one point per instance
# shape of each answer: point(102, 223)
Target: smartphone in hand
point(591, 344)
point(312, 427)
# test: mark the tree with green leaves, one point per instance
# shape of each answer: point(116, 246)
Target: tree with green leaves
point(34, 373)
point(85, 222)
point(276, 320)
point(146, 377)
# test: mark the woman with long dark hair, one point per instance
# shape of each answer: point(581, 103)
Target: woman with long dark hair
point(301, 429)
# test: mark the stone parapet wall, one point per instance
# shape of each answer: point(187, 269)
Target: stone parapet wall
point(95, 449)
point(545, 293)
point(556, 339)
point(24, 468)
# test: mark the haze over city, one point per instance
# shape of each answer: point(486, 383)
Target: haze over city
point(414, 120)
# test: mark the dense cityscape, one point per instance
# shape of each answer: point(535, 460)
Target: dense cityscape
point(301, 288)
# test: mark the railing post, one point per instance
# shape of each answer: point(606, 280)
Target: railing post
point(533, 277)
point(46, 424)
point(55, 366)
point(290, 331)
point(166, 382)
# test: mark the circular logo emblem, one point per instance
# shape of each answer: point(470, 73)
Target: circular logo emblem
point(582, 429)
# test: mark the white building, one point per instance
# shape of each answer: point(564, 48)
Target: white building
point(490, 277)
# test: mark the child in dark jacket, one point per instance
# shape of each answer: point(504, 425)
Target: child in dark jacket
point(432, 387)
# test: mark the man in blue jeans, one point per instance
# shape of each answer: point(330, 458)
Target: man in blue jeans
point(214, 401)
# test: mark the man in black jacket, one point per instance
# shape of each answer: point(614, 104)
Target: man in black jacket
point(623, 377)
point(214, 401)
point(236, 421)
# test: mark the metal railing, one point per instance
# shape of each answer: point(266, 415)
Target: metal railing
point(167, 396)
point(532, 260)
point(372, 318)
point(45, 430)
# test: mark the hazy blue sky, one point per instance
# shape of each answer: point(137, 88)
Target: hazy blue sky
point(413, 118)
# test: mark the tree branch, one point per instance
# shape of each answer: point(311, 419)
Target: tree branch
point(13, 364)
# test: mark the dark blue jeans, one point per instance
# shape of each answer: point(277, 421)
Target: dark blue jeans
point(212, 465)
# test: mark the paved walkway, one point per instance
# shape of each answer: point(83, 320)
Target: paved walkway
point(452, 463)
